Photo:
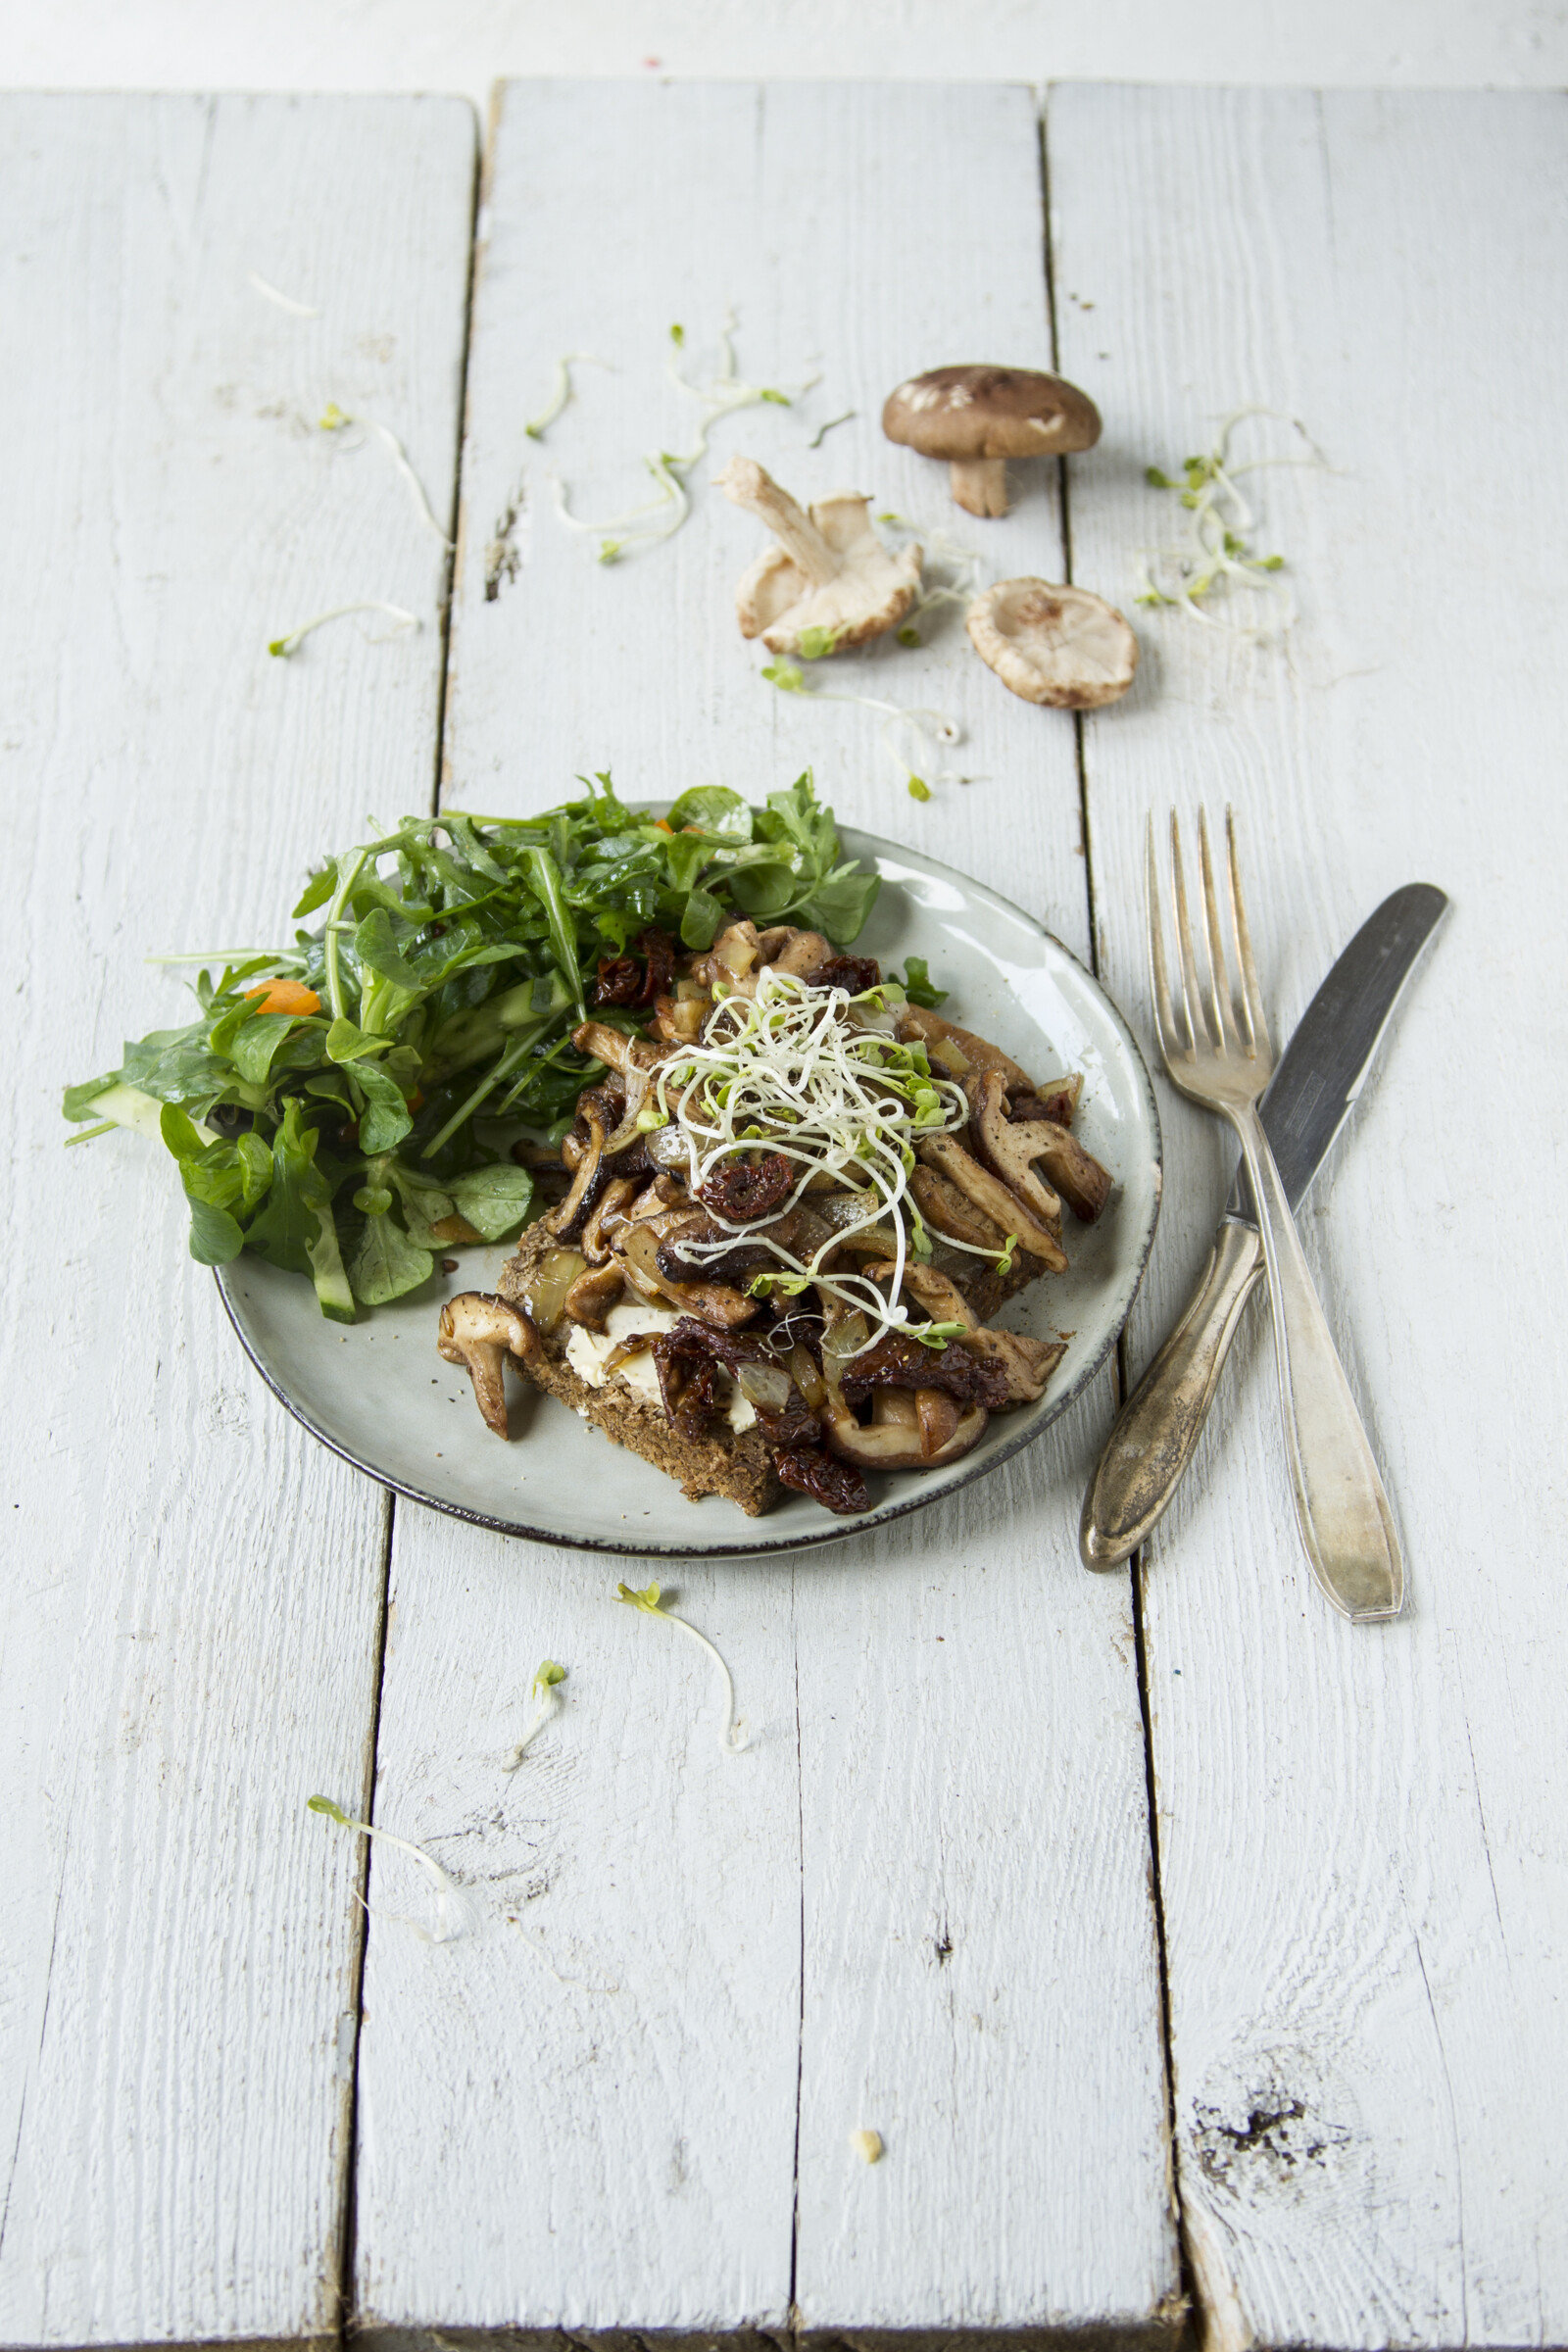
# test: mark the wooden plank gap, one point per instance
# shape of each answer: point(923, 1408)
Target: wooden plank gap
point(344, 2288)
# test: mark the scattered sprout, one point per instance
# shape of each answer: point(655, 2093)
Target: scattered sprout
point(1217, 552)
point(867, 2144)
point(720, 395)
point(293, 639)
point(399, 458)
point(545, 1704)
point(447, 1888)
point(909, 637)
point(816, 644)
point(933, 728)
point(822, 431)
point(332, 420)
point(732, 1734)
point(560, 391)
point(296, 310)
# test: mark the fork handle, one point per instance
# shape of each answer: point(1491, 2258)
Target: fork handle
point(1156, 1432)
point(1341, 1507)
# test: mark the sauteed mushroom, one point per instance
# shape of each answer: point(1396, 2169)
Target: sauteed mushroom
point(480, 1331)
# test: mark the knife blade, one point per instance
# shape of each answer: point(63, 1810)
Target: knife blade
point(1317, 1079)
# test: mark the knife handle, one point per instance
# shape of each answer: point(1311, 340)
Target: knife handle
point(1345, 1525)
point(1157, 1430)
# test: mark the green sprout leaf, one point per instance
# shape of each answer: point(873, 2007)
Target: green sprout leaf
point(817, 643)
point(678, 335)
point(784, 675)
point(911, 637)
point(920, 789)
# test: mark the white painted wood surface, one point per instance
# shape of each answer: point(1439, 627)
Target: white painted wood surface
point(193, 1590)
point(919, 1905)
point(1363, 1858)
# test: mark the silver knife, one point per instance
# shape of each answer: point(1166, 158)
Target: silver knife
point(1319, 1077)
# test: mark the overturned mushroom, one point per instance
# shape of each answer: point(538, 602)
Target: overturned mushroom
point(828, 574)
point(1061, 646)
point(480, 1331)
point(978, 418)
point(995, 1199)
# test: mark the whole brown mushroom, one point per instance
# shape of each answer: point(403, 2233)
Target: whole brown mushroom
point(978, 418)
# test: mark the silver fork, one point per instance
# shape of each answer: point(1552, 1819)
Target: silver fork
point(1217, 1051)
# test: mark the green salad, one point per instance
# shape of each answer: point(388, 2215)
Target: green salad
point(334, 1106)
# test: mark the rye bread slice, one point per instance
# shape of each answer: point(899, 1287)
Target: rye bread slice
point(738, 1467)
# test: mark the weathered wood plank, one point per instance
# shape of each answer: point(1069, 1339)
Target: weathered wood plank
point(194, 1589)
point(946, 1719)
point(1366, 1908)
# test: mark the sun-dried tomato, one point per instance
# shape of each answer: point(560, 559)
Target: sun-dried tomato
point(795, 1426)
point(743, 1189)
point(688, 1382)
point(619, 980)
point(897, 1362)
point(1026, 1109)
point(837, 1485)
point(857, 974)
point(660, 950)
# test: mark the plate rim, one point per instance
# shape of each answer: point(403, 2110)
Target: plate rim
point(837, 1530)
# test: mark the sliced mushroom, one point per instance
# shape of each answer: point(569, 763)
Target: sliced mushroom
point(1061, 646)
point(989, 1194)
point(947, 1211)
point(593, 1295)
point(1027, 1363)
point(636, 1249)
point(1010, 1152)
point(1083, 1183)
point(978, 418)
point(828, 571)
point(801, 953)
point(942, 1300)
point(911, 1429)
point(919, 1021)
point(588, 1179)
point(480, 1329)
point(608, 1213)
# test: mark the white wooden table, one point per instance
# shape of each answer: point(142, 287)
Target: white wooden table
point(1180, 1940)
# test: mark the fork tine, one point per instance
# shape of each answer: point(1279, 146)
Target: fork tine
point(1196, 1012)
point(1256, 1019)
point(1221, 1004)
point(1170, 1039)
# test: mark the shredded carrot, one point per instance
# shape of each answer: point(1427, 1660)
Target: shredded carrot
point(660, 826)
point(287, 996)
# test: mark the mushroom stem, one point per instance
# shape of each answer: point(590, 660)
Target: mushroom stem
point(980, 484)
point(748, 485)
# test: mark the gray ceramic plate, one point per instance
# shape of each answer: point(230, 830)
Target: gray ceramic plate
point(379, 1395)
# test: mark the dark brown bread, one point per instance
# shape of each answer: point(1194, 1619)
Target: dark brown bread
point(718, 1463)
